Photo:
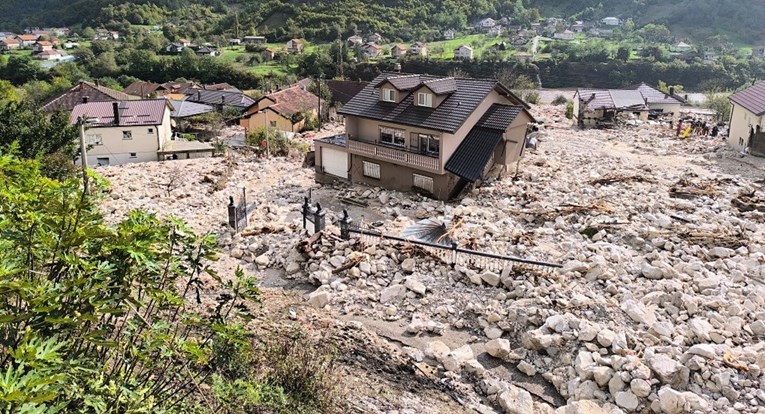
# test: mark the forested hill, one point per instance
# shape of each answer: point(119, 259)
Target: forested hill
point(736, 20)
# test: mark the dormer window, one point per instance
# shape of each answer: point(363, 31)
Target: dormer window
point(425, 99)
point(389, 95)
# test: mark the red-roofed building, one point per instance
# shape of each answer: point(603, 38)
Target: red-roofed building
point(48, 55)
point(9, 44)
point(284, 110)
point(41, 46)
point(27, 40)
point(122, 132)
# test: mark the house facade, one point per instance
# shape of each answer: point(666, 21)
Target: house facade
point(9, 44)
point(284, 110)
point(418, 49)
point(354, 41)
point(597, 107)
point(424, 133)
point(268, 54)
point(27, 40)
point(610, 21)
point(371, 50)
point(449, 34)
point(375, 38)
point(485, 25)
point(254, 40)
point(564, 35)
point(48, 55)
point(747, 121)
point(656, 100)
point(125, 131)
point(295, 46)
point(234, 42)
point(398, 51)
point(464, 52)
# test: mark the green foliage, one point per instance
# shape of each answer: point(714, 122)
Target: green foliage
point(35, 132)
point(569, 110)
point(278, 144)
point(98, 318)
point(560, 100)
point(623, 53)
point(718, 101)
point(532, 98)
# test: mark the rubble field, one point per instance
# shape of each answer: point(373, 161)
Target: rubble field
point(659, 306)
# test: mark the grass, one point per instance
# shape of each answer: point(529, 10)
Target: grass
point(479, 42)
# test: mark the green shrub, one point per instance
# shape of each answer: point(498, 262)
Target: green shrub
point(532, 98)
point(569, 110)
point(278, 144)
point(560, 100)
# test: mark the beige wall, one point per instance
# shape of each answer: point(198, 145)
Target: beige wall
point(400, 178)
point(674, 108)
point(387, 85)
point(257, 121)
point(368, 130)
point(437, 99)
point(740, 122)
point(144, 144)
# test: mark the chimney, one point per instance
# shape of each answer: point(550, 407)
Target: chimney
point(199, 96)
point(671, 91)
point(116, 109)
point(85, 99)
point(397, 68)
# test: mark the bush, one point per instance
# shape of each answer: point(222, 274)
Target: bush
point(532, 98)
point(58, 166)
point(569, 110)
point(560, 100)
point(278, 144)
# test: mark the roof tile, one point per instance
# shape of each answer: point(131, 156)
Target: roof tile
point(751, 98)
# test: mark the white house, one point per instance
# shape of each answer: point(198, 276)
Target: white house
point(610, 21)
point(485, 25)
point(354, 41)
point(125, 131)
point(463, 52)
point(680, 47)
point(375, 38)
point(564, 35)
point(746, 119)
point(371, 50)
point(449, 34)
point(418, 48)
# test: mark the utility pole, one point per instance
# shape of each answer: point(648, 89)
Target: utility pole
point(268, 144)
point(82, 120)
point(318, 86)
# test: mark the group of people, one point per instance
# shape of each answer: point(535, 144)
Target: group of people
point(696, 126)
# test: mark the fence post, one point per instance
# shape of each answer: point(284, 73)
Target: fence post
point(244, 209)
point(345, 223)
point(232, 214)
point(454, 254)
point(318, 218)
point(306, 211)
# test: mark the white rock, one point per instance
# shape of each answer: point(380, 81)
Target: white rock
point(602, 375)
point(463, 353)
point(581, 407)
point(701, 328)
point(237, 253)
point(758, 328)
point(516, 401)
point(721, 252)
point(292, 268)
point(583, 364)
point(527, 368)
point(436, 350)
point(319, 298)
point(669, 371)
point(490, 278)
point(626, 400)
point(606, 337)
point(498, 348)
point(493, 332)
point(639, 312)
point(474, 367)
point(408, 265)
point(415, 286)
point(392, 293)
point(262, 260)
point(704, 350)
point(671, 401)
point(640, 387)
point(651, 272)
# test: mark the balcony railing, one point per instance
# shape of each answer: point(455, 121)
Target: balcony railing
point(418, 161)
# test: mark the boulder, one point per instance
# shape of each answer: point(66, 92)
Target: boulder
point(669, 371)
point(415, 286)
point(671, 401)
point(498, 348)
point(516, 401)
point(319, 298)
point(626, 400)
point(408, 265)
point(392, 293)
point(581, 407)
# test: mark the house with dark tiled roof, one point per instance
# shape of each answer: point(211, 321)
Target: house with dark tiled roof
point(221, 98)
point(658, 101)
point(425, 133)
point(143, 89)
point(285, 110)
point(80, 93)
point(599, 107)
point(747, 125)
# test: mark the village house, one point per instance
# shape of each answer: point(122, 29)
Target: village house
point(371, 50)
point(424, 133)
point(449, 34)
point(8, 44)
point(519, 41)
point(342, 92)
point(220, 99)
point(354, 41)
point(495, 31)
point(375, 38)
point(174, 48)
point(484, 25)
point(398, 50)
point(577, 27)
point(746, 120)
point(71, 45)
point(143, 89)
point(254, 40)
point(125, 131)
point(417, 49)
point(82, 92)
point(103, 34)
point(205, 51)
point(234, 42)
point(610, 21)
point(285, 110)
point(658, 101)
point(27, 40)
point(709, 58)
point(295, 46)
point(564, 35)
point(51, 54)
point(464, 52)
point(268, 54)
point(680, 47)
point(596, 108)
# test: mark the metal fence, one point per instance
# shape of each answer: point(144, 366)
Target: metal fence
point(451, 254)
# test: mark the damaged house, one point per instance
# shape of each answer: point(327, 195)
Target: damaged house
point(602, 108)
point(429, 134)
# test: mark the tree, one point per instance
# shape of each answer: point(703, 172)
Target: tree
point(718, 101)
point(21, 69)
point(623, 53)
point(34, 132)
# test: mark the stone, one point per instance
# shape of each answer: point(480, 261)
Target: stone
point(602, 375)
point(669, 371)
point(365, 268)
point(583, 364)
point(651, 272)
point(758, 328)
point(436, 350)
point(671, 401)
point(527, 368)
point(626, 400)
point(705, 350)
point(606, 337)
point(640, 387)
point(408, 265)
point(415, 286)
point(262, 260)
point(516, 401)
point(493, 332)
point(392, 293)
point(701, 328)
point(463, 353)
point(498, 348)
point(581, 407)
point(721, 252)
point(237, 253)
point(490, 278)
point(639, 312)
point(474, 367)
point(588, 332)
point(292, 268)
point(319, 298)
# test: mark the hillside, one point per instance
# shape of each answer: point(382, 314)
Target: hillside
point(325, 20)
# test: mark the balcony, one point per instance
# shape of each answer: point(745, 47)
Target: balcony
point(396, 156)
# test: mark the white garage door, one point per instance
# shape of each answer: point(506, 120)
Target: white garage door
point(335, 162)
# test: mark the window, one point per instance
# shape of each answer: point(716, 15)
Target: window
point(127, 135)
point(371, 170)
point(389, 95)
point(423, 182)
point(102, 162)
point(133, 155)
point(429, 145)
point(272, 123)
point(392, 136)
point(424, 99)
point(150, 130)
point(95, 140)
